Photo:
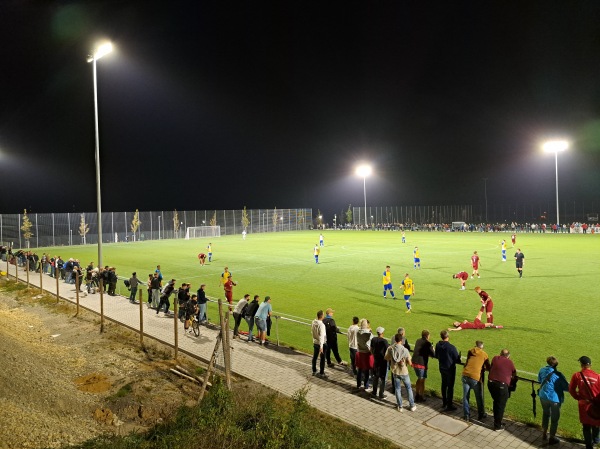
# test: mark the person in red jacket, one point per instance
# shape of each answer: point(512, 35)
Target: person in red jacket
point(476, 324)
point(584, 386)
point(463, 276)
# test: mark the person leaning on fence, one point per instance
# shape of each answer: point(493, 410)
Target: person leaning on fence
point(502, 375)
point(183, 295)
point(448, 357)
point(264, 311)
point(202, 301)
point(585, 387)
point(319, 337)
point(553, 384)
point(190, 309)
point(364, 358)
point(239, 311)
point(250, 313)
point(477, 362)
point(332, 344)
point(155, 290)
point(134, 282)
point(400, 360)
point(420, 361)
point(352, 343)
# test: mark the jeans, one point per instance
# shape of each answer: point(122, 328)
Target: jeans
point(379, 374)
point(250, 321)
point(132, 294)
point(551, 412)
point(399, 379)
point(352, 359)
point(468, 385)
point(499, 392)
point(202, 312)
point(590, 433)
point(448, 379)
point(362, 374)
point(237, 317)
point(318, 354)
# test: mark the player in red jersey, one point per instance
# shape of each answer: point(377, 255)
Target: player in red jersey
point(513, 239)
point(202, 258)
point(477, 324)
point(475, 264)
point(487, 305)
point(463, 276)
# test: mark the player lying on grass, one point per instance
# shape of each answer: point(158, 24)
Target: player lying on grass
point(476, 324)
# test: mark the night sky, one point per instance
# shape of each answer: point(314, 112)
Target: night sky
point(226, 104)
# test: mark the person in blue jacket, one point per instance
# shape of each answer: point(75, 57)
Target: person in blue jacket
point(553, 384)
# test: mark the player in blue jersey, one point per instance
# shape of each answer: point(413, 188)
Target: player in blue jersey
point(417, 258)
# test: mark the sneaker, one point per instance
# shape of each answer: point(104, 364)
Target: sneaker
point(314, 373)
point(499, 428)
point(384, 396)
point(408, 311)
point(451, 408)
point(331, 365)
point(323, 376)
point(400, 409)
point(462, 288)
point(554, 440)
point(413, 408)
point(342, 363)
point(368, 389)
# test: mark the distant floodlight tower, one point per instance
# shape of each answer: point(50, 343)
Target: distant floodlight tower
point(364, 170)
point(100, 51)
point(556, 146)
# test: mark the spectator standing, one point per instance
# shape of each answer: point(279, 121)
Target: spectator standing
point(584, 386)
point(183, 295)
point(502, 373)
point(263, 312)
point(134, 282)
point(112, 281)
point(202, 300)
point(379, 347)
point(155, 290)
point(448, 357)
point(250, 313)
point(353, 344)
point(319, 336)
point(164, 297)
point(400, 360)
point(149, 286)
point(364, 358)
point(553, 384)
point(238, 313)
point(423, 350)
point(332, 344)
point(477, 362)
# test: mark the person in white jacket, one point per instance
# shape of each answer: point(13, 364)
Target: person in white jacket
point(319, 344)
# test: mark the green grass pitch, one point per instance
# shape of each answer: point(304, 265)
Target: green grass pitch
point(552, 310)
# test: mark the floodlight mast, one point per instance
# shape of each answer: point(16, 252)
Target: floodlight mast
point(364, 170)
point(556, 146)
point(100, 51)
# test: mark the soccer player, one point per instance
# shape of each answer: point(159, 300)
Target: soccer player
point(244, 234)
point(403, 237)
point(228, 288)
point(463, 276)
point(503, 247)
point(519, 260)
point(513, 239)
point(209, 251)
point(225, 275)
point(487, 305)
point(477, 324)
point(417, 258)
point(316, 252)
point(321, 240)
point(387, 283)
point(202, 259)
point(475, 264)
point(409, 290)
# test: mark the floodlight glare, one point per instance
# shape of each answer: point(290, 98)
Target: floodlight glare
point(364, 170)
point(555, 146)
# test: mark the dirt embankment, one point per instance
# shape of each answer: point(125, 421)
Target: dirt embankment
point(62, 382)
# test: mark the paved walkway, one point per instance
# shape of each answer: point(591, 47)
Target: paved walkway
point(288, 371)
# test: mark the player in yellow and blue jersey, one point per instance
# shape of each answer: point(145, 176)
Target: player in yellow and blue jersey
point(316, 252)
point(387, 283)
point(417, 258)
point(209, 251)
point(503, 246)
point(409, 289)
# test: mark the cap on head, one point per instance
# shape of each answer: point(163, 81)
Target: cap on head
point(380, 330)
point(585, 360)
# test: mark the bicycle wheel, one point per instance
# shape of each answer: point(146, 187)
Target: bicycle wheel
point(196, 327)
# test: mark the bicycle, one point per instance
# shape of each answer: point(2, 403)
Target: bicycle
point(193, 324)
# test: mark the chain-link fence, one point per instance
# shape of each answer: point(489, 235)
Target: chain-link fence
point(64, 229)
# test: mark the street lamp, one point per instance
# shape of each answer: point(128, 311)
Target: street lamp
point(364, 171)
point(100, 51)
point(556, 146)
point(159, 227)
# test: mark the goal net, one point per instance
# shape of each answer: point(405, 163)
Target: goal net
point(459, 225)
point(196, 232)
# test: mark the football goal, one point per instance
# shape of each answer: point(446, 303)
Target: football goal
point(197, 232)
point(459, 226)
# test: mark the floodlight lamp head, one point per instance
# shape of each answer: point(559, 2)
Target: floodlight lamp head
point(100, 51)
point(364, 170)
point(555, 146)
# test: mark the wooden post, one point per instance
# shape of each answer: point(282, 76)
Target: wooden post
point(175, 320)
point(41, 281)
point(27, 270)
point(77, 291)
point(211, 365)
point(224, 339)
point(141, 318)
point(101, 287)
point(56, 276)
point(17, 269)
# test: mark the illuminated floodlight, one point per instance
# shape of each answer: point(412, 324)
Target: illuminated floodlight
point(555, 146)
point(100, 51)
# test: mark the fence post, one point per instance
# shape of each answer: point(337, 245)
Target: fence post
point(77, 291)
point(17, 269)
point(224, 339)
point(101, 285)
point(41, 279)
point(56, 276)
point(141, 318)
point(27, 270)
point(277, 329)
point(175, 319)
